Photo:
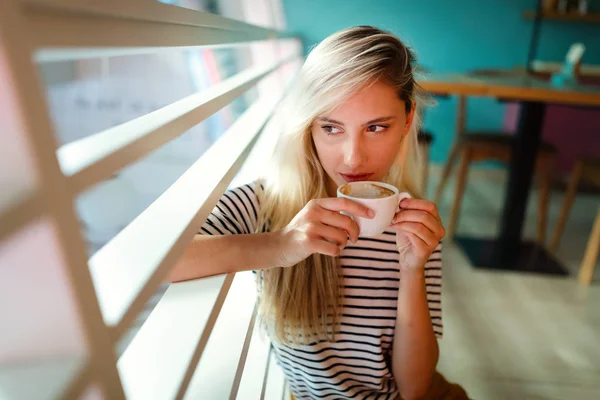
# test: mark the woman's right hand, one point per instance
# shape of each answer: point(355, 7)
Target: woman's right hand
point(320, 228)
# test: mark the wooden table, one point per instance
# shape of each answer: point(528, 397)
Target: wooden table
point(508, 251)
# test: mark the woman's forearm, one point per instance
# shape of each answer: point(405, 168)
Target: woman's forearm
point(214, 255)
point(415, 349)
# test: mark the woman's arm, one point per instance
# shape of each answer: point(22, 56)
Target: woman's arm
point(214, 255)
point(415, 350)
point(317, 228)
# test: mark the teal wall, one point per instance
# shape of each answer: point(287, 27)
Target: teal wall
point(453, 36)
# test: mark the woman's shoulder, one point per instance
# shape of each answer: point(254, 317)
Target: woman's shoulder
point(244, 193)
point(236, 212)
point(253, 187)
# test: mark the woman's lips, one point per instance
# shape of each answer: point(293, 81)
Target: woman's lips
point(356, 177)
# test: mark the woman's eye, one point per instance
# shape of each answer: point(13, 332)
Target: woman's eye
point(377, 128)
point(331, 130)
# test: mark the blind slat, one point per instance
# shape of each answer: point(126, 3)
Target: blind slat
point(171, 340)
point(73, 54)
point(117, 24)
point(216, 372)
point(275, 380)
point(95, 158)
point(245, 350)
point(254, 375)
point(129, 269)
point(150, 10)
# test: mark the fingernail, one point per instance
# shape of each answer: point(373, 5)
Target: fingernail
point(371, 213)
point(404, 203)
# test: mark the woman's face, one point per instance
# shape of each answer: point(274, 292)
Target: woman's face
point(361, 138)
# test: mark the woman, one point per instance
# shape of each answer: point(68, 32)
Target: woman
point(349, 317)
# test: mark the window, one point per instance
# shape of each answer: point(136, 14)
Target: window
point(141, 109)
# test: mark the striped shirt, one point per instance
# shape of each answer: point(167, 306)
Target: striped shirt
point(358, 364)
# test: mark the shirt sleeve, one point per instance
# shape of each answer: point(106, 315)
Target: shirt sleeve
point(236, 213)
point(433, 283)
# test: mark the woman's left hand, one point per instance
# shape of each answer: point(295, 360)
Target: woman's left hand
point(419, 230)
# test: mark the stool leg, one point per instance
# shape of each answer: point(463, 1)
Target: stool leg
point(461, 119)
point(446, 173)
point(564, 212)
point(544, 181)
point(460, 188)
point(586, 271)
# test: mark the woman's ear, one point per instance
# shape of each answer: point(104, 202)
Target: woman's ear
point(409, 119)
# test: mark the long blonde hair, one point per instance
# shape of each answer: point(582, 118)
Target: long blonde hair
point(300, 304)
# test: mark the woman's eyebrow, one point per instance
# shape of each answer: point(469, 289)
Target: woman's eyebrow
point(382, 119)
point(331, 121)
point(373, 121)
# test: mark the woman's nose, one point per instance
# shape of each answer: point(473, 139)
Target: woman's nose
point(354, 153)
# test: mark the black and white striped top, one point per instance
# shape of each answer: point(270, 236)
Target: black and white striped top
point(358, 364)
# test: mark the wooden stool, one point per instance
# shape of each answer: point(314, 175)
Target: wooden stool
point(425, 139)
point(587, 169)
point(492, 146)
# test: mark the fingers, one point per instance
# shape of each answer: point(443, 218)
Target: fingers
point(326, 239)
point(420, 231)
point(337, 220)
point(417, 242)
point(343, 204)
point(324, 247)
point(422, 205)
point(330, 234)
point(422, 217)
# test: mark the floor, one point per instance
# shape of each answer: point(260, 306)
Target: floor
point(515, 336)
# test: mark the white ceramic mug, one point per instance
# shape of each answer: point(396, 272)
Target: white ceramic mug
point(384, 207)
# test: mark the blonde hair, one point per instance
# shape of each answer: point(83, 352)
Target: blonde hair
point(300, 304)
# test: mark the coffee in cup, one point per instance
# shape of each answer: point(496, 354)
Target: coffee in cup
point(380, 197)
point(366, 190)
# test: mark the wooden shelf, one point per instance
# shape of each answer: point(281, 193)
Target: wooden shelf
point(570, 17)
